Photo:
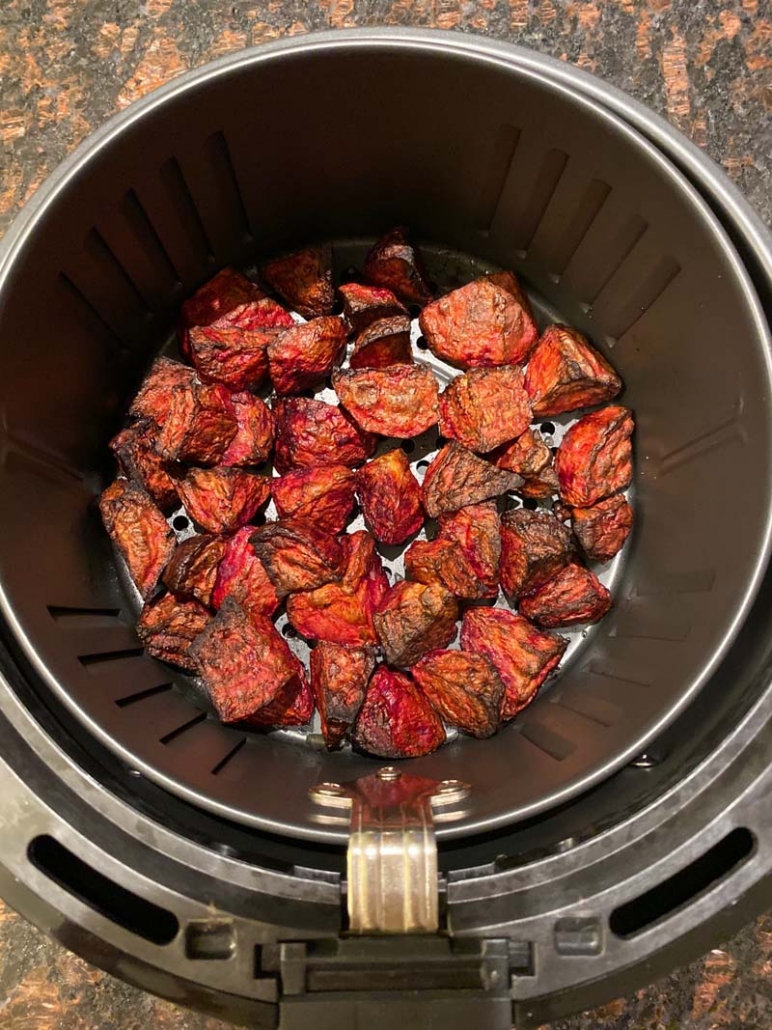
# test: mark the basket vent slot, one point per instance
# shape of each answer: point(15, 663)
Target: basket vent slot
point(552, 168)
point(110, 656)
point(141, 695)
point(147, 235)
point(585, 213)
point(174, 180)
point(497, 169)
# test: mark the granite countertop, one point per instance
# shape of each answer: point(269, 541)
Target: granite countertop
point(66, 65)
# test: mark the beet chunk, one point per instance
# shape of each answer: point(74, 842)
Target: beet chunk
point(139, 531)
point(566, 373)
point(572, 595)
point(400, 400)
point(324, 493)
point(199, 426)
point(298, 554)
point(134, 449)
point(167, 627)
point(396, 720)
point(232, 300)
point(339, 678)
point(522, 655)
point(528, 455)
point(390, 497)
point(485, 407)
point(303, 356)
point(310, 432)
point(603, 528)
point(475, 530)
point(396, 264)
point(236, 358)
point(154, 398)
point(414, 618)
point(303, 279)
point(464, 688)
point(382, 343)
point(457, 477)
point(253, 441)
point(242, 576)
point(534, 546)
point(363, 305)
point(192, 571)
point(595, 458)
point(223, 499)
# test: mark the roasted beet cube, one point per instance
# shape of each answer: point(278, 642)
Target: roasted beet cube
point(414, 618)
point(441, 561)
point(253, 441)
point(303, 356)
point(310, 432)
point(167, 627)
point(192, 571)
point(522, 655)
point(541, 486)
point(339, 678)
point(487, 322)
point(390, 497)
point(396, 264)
point(223, 499)
point(343, 612)
point(245, 666)
point(528, 455)
point(603, 528)
point(572, 595)
point(292, 706)
point(134, 449)
point(303, 279)
point(595, 458)
point(236, 358)
point(228, 299)
point(465, 689)
point(457, 477)
point(154, 398)
point(139, 531)
point(400, 400)
point(363, 305)
point(200, 424)
point(566, 373)
point(324, 493)
point(534, 546)
point(242, 576)
point(298, 554)
point(475, 530)
point(396, 720)
point(485, 407)
point(382, 343)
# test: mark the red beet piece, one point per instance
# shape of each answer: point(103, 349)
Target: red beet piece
point(396, 264)
point(325, 494)
point(382, 343)
point(292, 706)
point(339, 678)
point(400, 400)
point(465, 689)
point(236, 358)
point(413, 619)
point(522, 655)
point(139, 531)
point(298, 554)
point(310, 432)
point(474, 530)
point(363, 305)
point(223, 499)
point(303, 279)
point(253, 442)
point(303, 356)
point(440, 561)
point(167, 627)
point(154, 398)
point(566, 373)
point(230, 299)
point(192, 571)
point(528, 455)
point(247, 669)
point(572, 595)
point(242, 576)
point(534, 546)
point(456, 478)
point(595, 458)
point(390, 497)
point(485, 407)
point(603, 528)
point(134, 449)
point(199, 426)
point(488, 322)
point(541, 486)
point(396, 720)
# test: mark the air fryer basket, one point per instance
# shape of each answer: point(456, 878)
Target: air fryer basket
point(515, 171)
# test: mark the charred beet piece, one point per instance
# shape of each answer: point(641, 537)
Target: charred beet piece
point(324, 494)
point(395, 263)
point(343, 612)
point(390, 497)
point(573, 595)
point(242, 576)
point(566, 373)
point(488, 322)
point(199, 426)
point(303, 356)
point(236, 358)
point(292, 706)
point(464, 688)
point(134, 449)
point(528, 455)
point(541, 486)
point(396, 720)
point(485, 408)
point(298, 554)
point(232, 300)
point(139, 531)
point(383, 343)
point(603, 528)
point(522, 655)
point(154, 398)
point(310, 432)
point(474, 530)
point(457, 478)
point(339, 678)
point(167, 627)
point(400, 400)
point(363, 305)
point(534, 546)
point(247, 669)
point(441, 561)
point(304, 280)
point(595, 458)
point(223, 499)
point(192, 571)
point(414, 618)
point(253, 441)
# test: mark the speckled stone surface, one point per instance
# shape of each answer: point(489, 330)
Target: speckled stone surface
point(66, 65)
